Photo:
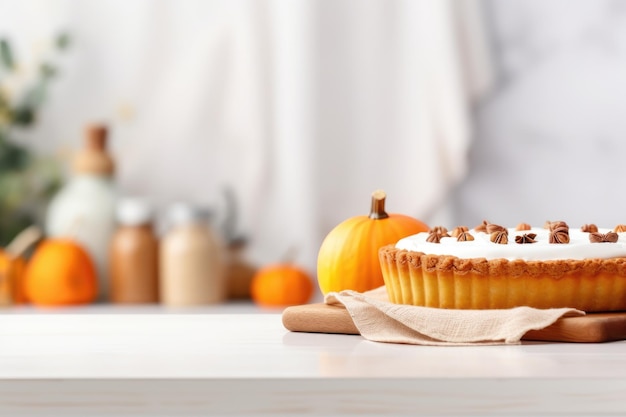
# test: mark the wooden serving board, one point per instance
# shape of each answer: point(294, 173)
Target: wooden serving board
point(592, 328)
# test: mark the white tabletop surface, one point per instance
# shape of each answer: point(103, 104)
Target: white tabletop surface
point(199, 363)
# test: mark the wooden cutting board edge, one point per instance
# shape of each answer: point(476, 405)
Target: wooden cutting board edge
point(591, 328)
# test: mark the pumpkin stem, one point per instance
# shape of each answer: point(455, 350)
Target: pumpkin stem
point(24, 240)
point(378, 205)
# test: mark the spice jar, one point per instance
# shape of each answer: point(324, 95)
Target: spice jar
point(191, 260)
point(133, 255)
point(239, 273)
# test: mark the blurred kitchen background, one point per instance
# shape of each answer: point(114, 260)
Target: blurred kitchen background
point(509, 111)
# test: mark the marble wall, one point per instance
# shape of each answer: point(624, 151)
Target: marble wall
point(551, 136)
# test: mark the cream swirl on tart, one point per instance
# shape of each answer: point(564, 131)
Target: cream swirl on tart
point(579, 246)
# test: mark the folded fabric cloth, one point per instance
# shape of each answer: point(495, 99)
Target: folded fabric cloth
point(381, 321)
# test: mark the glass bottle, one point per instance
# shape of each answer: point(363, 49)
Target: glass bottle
point(84, 209)
point(191, 260)
point(133, 256)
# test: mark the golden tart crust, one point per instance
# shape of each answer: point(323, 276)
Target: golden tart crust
point(444, 281)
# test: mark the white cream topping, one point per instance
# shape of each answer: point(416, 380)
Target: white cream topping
point(579, 246)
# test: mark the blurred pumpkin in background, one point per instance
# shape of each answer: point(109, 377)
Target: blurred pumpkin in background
point(61, 273)
point(281, 285)
point(348, 256)
point(13, 265)
point(12, 274)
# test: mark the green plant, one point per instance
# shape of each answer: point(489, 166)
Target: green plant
point(26, 181)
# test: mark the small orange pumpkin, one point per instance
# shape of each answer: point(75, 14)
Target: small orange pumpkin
point(13, 266)
point(348, 257)
point(12, 272)
point(281, 285)
point(61, 273)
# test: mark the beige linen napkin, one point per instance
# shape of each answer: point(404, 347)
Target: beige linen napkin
point(381, 321)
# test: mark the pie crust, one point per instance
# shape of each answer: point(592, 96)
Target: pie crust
point(444, 281)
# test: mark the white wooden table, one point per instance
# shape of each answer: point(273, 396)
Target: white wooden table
point(248, 364)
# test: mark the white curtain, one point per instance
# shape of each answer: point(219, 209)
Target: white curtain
point(302, 107)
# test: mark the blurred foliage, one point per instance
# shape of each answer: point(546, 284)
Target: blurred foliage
point(27, 182)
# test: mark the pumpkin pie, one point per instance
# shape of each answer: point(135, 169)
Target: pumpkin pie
point(493, 267)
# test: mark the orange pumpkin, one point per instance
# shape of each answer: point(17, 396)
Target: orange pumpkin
point(281, 285)
point(12, 273)
point(348, 257)
point(60, 273)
